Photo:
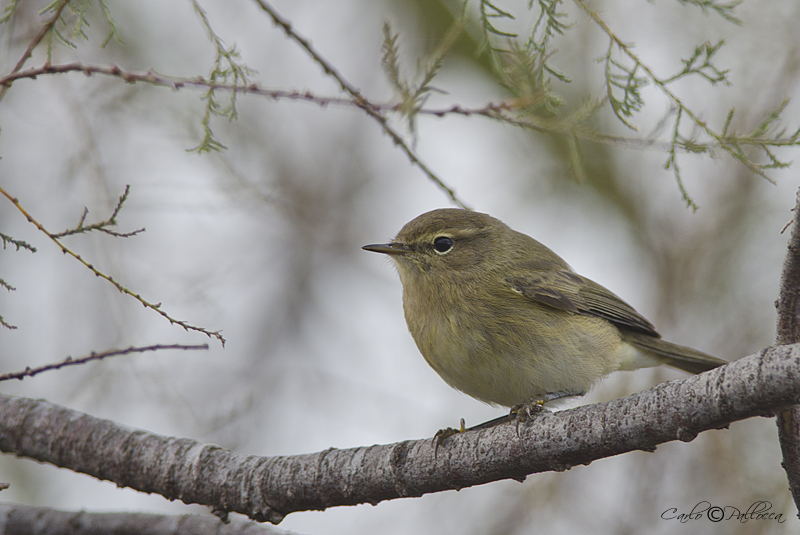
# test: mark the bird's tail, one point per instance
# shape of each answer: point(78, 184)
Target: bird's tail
point(677, 356)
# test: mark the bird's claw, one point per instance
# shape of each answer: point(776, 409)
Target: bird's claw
point(442, 434)
point(526, 411)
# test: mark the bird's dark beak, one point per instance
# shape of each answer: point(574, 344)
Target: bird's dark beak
point(388, 248)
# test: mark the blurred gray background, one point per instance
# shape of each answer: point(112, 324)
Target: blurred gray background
point(263, 241)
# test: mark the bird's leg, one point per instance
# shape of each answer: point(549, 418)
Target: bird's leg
point(518, 413)
point(535, 405)
point(491, 423)
point(528, 409)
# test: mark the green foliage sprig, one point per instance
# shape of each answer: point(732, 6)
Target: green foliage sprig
point(726, 140)
point(706, 69)
point(523, 65)
point(19, 244)
point(77, 23)
point(524, 68)
point(723, 9)
point(227, 69)
point(414, 95)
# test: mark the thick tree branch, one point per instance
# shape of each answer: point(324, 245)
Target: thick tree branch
point(268, 488)
point(788, 332)
point(788, 303)
point(16, 518)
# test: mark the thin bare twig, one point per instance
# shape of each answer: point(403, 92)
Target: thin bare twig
point(66, 250)
point(494, 111)
point(102, 226)
point(359, 99)
point(69, 361)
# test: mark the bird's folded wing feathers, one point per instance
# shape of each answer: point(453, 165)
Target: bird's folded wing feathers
point(569, 291)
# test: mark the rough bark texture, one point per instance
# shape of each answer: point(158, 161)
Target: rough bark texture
point(788, 303)
point(268, 488)
point(788, 332)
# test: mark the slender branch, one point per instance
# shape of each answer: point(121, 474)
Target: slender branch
point(359, 99)
point(69, 361)
point(269, 488)
point(495, 111)
point(788, 332)
point(48, 26)
point(500, 112)
point(66, 250)
point(173, 82)
point(102, 226)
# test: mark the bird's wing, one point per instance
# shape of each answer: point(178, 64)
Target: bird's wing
point(566, 290)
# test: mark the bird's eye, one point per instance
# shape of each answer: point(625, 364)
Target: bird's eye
point(442, 244)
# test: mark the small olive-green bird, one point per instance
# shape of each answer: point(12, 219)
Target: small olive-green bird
point(504, 319)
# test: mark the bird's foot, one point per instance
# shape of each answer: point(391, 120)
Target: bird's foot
point(442, 434)
point(519, 413)
point(535, 405)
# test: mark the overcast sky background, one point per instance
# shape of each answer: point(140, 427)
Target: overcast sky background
point(263, 242)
